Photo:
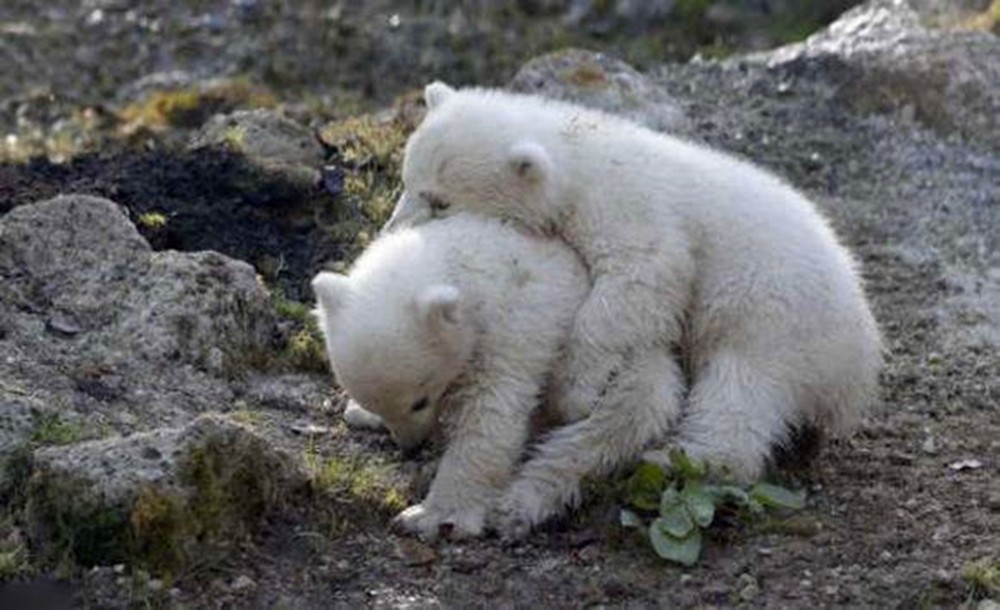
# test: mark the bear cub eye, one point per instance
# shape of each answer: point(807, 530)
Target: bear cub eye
point(437, 204)
point(420, 405)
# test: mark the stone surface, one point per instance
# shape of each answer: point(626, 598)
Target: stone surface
point(96, 322)
point(158, 498)
point(601, 82)
point(269, 140)
point(887, 59)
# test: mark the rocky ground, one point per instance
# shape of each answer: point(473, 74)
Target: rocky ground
point(169, 437)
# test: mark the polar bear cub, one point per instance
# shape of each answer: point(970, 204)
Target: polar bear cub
point(689, 250)
point(459, 321)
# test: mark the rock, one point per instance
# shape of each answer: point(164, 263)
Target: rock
point(158, 335)
point(156, 499)
point(602, 82)
point(414, 553)
point(890, 61)
point(242, 583)
point(269, 140)
point(748, 587)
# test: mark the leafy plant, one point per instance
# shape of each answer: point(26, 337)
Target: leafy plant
point(674, 505)
point(982, 578)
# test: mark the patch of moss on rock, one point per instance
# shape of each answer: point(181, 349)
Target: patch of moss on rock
point(191, 106)
point(159, 500)
point(367, 158)
point(352, 490)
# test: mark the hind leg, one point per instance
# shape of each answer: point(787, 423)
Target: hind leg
point(635, 411)
point(737, 411)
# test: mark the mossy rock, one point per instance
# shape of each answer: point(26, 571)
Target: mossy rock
point(157, 500)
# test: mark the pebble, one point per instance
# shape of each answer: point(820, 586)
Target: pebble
point(749, 589)
point(929, 446)
point(243, 583)
point(415, 553)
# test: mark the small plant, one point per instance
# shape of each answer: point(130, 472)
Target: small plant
point(152, 220)
point(50, 430)
point(13, 553)
point(676, 504)
point(982, 578)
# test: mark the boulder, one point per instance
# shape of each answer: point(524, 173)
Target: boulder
point(269, 140)
point(156, 499)
point(94, 322)
point(889, 60)
point(602, 82)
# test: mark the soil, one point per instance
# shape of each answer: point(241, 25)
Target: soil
point(212, 200)
point(888, 524)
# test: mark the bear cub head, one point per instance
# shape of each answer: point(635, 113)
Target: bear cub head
point(396, 355)
point(479, 151)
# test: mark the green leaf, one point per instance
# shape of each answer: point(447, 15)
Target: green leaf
point(778, 497)
point(645, 485)
point(755, 507)
point(685, 467)
point(700, 503)
point(729, 493)
point(670, 498)
point(681, 550)
point(676, 520)
point(630, 519)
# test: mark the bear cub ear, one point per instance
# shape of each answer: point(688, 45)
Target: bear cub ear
point(438, 306)
point(529, 161)
point(331, 290)
point(436, 93)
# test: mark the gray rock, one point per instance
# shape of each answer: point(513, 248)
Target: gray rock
point(269, 140)
point(158, 335)
point(158, 498)
point(889, 61)
point(600, 81)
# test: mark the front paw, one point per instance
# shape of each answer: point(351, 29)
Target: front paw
point(356, 416)
point(524, 506)
point(430, 522)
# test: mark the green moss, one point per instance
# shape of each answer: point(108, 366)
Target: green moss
point(292, 310)
point(235, 137)
point(982, 578)
point(987, 21)
point(191, 106)
point(369, 150)
point(587, 74)
point(50, 430)
point(691, 9)
point(304, 349)
point(356, 483)
point(76, 527)
point(158, 526)
point(14, 558)
point(152, 220)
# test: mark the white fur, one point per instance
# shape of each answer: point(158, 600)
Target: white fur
point(470, 314)
point(689, 249)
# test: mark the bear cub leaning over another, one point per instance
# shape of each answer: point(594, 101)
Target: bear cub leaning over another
point(689, 250)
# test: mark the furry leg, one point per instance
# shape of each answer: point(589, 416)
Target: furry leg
point(635, 411)
point(737, 411)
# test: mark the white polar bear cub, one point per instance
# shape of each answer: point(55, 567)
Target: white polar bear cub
point(461, 320)
point(689, 250)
